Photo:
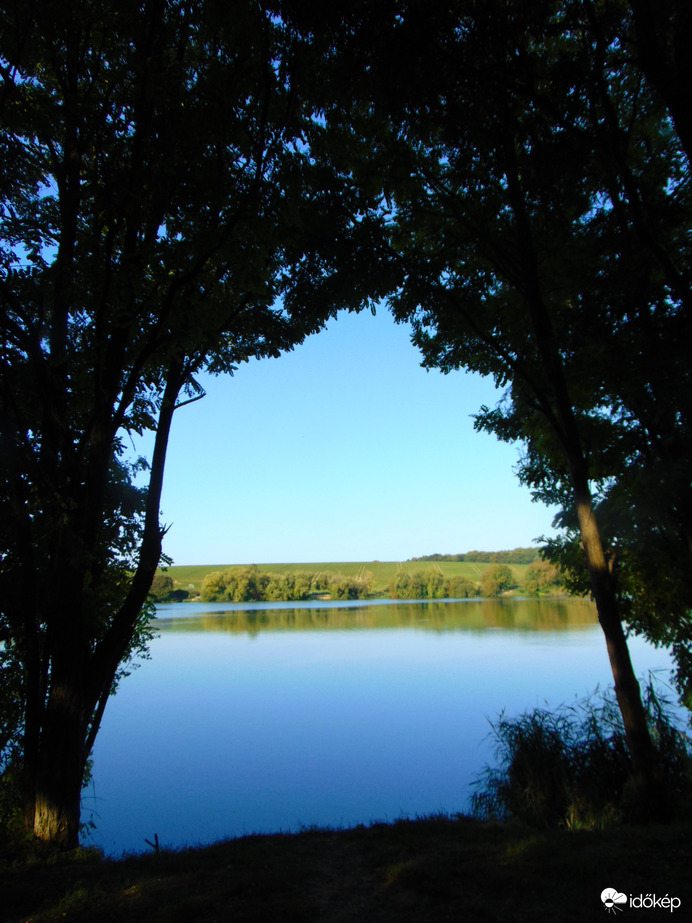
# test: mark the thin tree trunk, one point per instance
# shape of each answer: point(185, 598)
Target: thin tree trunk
point(562, 420)
point(627, 690)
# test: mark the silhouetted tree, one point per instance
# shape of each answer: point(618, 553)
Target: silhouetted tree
point(539, 205)
point(172, 203)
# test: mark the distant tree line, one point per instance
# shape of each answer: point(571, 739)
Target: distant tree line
point(253, 584)
point(516, 556)
point(540, 579)
point(250, 584)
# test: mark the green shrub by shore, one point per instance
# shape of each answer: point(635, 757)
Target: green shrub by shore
point(570, 767)
point(252, 584)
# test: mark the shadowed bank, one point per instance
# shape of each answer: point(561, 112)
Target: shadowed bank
point(428, 870)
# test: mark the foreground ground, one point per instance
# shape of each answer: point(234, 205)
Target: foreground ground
point(428, 870)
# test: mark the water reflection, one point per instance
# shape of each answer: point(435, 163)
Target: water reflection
point(440, 615)
point(265, 717)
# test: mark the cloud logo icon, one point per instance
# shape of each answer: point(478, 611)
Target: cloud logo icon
point(612, 899)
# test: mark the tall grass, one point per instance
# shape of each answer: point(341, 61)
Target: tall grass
point(570, 767)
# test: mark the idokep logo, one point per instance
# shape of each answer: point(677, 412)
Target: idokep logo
point(615, 900)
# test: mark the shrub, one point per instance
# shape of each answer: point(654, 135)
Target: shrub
point(288, 586)
point(236, 584)
point(161, 588)
point(409, 585)
point(460, 588)
point(495, 580)
point(542, 577)
point(342, 587)
point(571, 768)
point(429, 584)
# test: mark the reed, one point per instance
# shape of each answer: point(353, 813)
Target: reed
point(570, 767)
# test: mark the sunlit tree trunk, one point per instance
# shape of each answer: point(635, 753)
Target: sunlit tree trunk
point(60, 769)
point(627, 690)
point(559, 410)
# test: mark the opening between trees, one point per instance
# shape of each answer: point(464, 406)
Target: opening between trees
point(186, 186)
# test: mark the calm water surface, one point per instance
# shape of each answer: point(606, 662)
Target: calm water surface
point(267, 717)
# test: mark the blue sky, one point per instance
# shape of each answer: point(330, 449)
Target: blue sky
point(343, 450)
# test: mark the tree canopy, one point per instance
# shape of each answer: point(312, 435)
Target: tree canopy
point(540, 221)
point(188, 186)
point(172, 202)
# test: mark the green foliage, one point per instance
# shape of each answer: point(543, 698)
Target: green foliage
point(161, 587)
point(234, 585)
point(541, 216)
point(571, 768)
point(251, 584)
point(496, 580)
point(164, 590)
point(342, 587)
point(11, 726)
point(651, 577)
point(430, 584)
point(175, 201)
point(542, 578)
point(515, 556)
point(11, 706)
point(255, 584)
point(383, 574)
point(289, 586)
point(460, 588)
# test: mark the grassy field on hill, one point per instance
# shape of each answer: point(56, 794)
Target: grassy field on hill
point(190, 577)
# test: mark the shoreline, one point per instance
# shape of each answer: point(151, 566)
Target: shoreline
point(430, 869)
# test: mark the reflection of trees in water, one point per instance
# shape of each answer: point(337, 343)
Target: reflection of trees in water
point(472, 615)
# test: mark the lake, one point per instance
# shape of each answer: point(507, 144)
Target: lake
point(267, 717)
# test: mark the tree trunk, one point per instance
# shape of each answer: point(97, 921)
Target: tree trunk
point(81, 678)
point(627, 691)
point(60, 769)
